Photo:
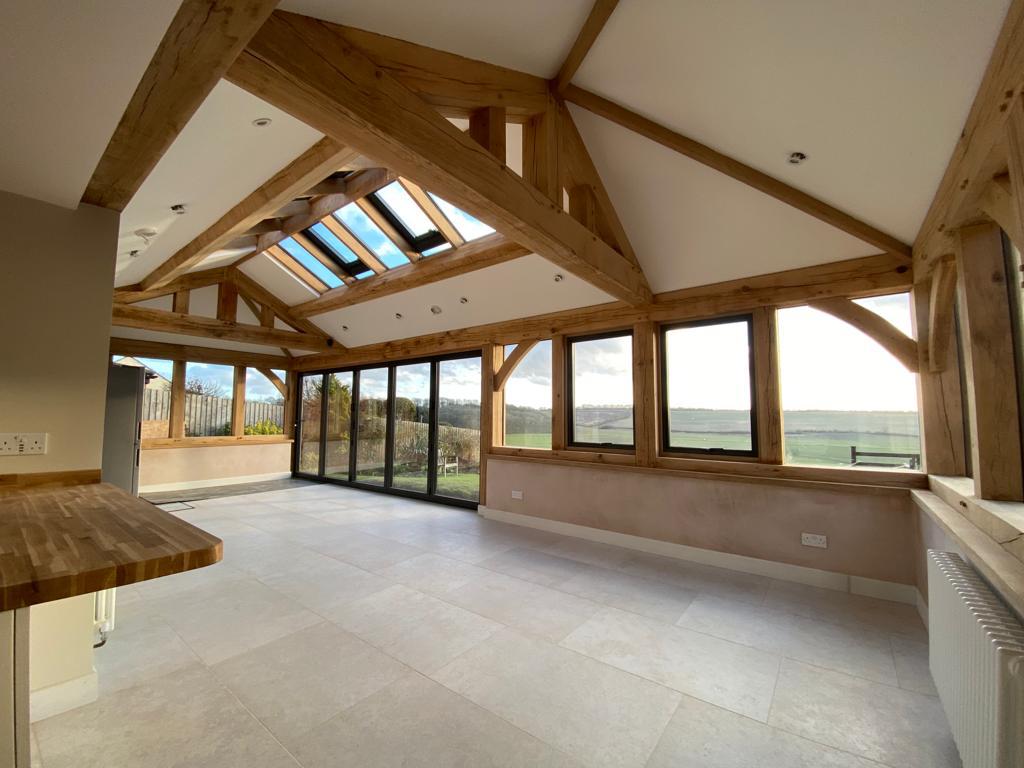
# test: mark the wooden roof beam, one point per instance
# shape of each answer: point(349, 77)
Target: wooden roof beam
point(304, 67)
point(129, 316)
point(736, 170)
point(195, 354)
point(251, 289)
point(204, 37)
point(310, 167)
point(591, 28)
point(130, 294)
point(485, 252)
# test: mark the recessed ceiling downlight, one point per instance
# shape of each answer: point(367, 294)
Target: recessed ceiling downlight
point(795, 158)
point(463, 300)
point(262, 122)
point(398, 315)
point(559, 278)
point(435, 310)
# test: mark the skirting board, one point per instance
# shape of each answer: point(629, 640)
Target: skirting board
point(214, 482)
point(63, 697)
point(840, 582)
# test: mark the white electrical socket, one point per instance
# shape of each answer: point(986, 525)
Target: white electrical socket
point(819, 540)
point(22, 443)
point(517, 495)
point(8, 444)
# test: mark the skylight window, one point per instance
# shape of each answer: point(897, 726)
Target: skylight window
point(370, 234)
point(469, 228)
point(439, 249)
point(331, 240)
point(406, 210)
point(310, 262)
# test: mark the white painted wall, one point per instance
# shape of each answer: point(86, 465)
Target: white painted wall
point(56, 273)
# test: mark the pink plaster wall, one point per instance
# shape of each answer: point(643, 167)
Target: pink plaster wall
point(871, 534)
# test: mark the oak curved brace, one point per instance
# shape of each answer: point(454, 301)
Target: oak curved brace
point(891, 338)
point(508, 367)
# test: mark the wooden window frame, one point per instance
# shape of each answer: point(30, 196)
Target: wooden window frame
point(663, 405)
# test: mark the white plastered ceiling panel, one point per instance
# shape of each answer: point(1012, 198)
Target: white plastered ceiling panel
point(874, 92)
point(278, 280)
point(692, 226)
point(515, 289)
point(69, 71)
point(217, 160)
point(529, 35)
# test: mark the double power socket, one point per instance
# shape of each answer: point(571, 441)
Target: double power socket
point(22, 443)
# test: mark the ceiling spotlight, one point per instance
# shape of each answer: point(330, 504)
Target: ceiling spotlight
point(344, 327)
point(146, 233)
point(435, 310)
point(398, 315)
point(463, 300)
point(795, 158)
point(559, 278)
point(178, 208)
point(133, 253)
point(262, 122)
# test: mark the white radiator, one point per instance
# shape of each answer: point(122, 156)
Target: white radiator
point(976, 655)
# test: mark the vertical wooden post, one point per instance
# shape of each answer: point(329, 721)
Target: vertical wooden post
point(492, 409)
point(291, 381)
point(487, 128)
point(227, 302)
point(988, 364)
point(1015, 161)
point(583, 206)
point(645, 394)
point(266, 316)
point(238, 402)
point(181, 301)
point(540, 153)
point(558, 431)
point(176, 416)
point(767, 394)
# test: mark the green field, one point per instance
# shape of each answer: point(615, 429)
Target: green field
point(821, 438)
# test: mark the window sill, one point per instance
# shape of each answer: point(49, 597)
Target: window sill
point(1002, 520)
point(209, 442)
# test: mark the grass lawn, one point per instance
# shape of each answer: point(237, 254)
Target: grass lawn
point(465, 485)
point(528, 440)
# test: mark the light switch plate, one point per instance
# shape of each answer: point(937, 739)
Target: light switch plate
point(819, 540)
point(517, 495)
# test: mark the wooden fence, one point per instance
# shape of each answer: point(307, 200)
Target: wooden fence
point(206, 415)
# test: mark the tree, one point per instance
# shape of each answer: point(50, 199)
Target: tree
point(206, 387)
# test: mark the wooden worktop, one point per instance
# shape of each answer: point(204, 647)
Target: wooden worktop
point(61, 542)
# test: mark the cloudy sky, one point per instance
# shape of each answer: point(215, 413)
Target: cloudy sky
point(257, 386)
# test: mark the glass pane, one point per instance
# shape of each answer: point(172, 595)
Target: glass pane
point(369, 233)
point(468, 227)
point(310, 262)
point(437, 249)
point(458, 432)
point(602, 382)
point(310, 389)
point(412, 427)
point(708, 386)
point(373, 422)
point(339, 424)
point(528, 399)
point(264, 404)
point(406, 209)
point(331, 240)
point(845, 400)
point(156, 398)
point(208, 399)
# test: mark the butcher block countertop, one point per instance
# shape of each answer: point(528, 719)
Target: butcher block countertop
point(62, 542)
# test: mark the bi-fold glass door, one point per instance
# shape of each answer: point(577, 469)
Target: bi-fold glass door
point(409, 428)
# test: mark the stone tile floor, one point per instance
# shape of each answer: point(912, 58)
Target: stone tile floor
point(347, 628)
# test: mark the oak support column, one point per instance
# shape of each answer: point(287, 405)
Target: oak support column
point(492, 409)
point(768, 394)
point(238, 402)
point(487, 128)
point(176, 416)
point(558, 393)
point(645, 394)
point(180, 302)
point(540, 153)
point(942, 424)
point(988, 364)
point(291, 384)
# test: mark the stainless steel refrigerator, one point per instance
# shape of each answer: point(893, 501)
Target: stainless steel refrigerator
point(122, 426)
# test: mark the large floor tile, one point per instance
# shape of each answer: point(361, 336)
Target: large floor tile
point(324, 586)
point(413, 627)
point(733, 676)
point(528, 607)
point(231, 618)
point(912, 665)
point(854, 650)
point(273, 556)
point(211, 576)
point(301, 681)
point(695, 577)
point(182, 720)
point(435, 574)
point(364, 551)
point(590, 552)
point(137, 651)
point(892, 726)
point(600, 715)
point(846, 608)
point(654, 599)
point(532, 565)
point(704, 736)
point(416, 723)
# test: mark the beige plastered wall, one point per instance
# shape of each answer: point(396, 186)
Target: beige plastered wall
point(871, 533)
point(160, 467)
point(56, 274)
